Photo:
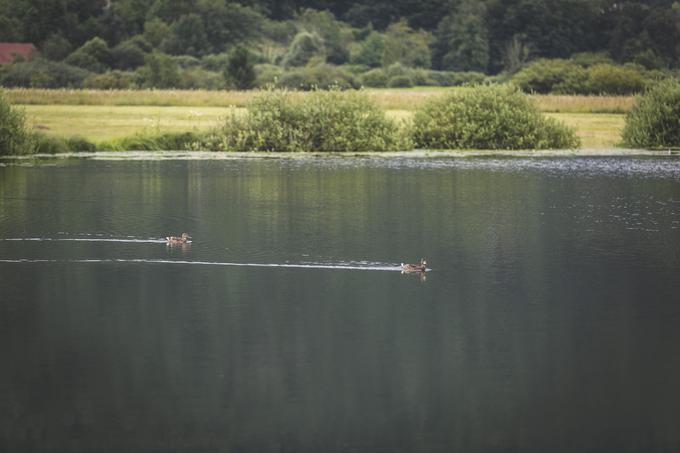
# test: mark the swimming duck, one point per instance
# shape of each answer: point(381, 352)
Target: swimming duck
point(175, 240)
point(422, 267)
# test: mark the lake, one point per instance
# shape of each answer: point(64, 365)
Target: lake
point(548, 322)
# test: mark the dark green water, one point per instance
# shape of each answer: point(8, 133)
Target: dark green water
point(549, 322)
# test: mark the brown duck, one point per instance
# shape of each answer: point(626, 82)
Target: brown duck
point(408, 268)
point(177, 240)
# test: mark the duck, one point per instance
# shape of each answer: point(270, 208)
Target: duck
point(422, 267)
point(175, 240)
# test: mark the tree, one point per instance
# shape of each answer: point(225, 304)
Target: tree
point(369, 52)
point(161, 71)
point(187, 36)
point(406, 46)
point(240, 71)
point(462, 39)
point(94, 56)
point(304, 47)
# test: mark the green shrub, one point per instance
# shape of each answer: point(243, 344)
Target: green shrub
point(41, 73)
point(112, 80)
point(304, 47)
point(267, 75)
point(94, 56)
point(197, 78)
point(548, 76)
point(322, 76)
point(610, 79)
point(375, 78)
point(400, 81)
point(80, 145)
point(488, 117)
point(48, 144)
point(331, 121)
point(14, 138)
point(654, 120)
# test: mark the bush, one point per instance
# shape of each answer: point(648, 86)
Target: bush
point(267, 75)
point(41, 73)
point(113, 80)
point(304, 47)
point(94, 56)
point(14, 138)
point(548, 76)
point(488, 117)
point(610, 79)
point(375, 78)
point(331, 121)
point(322, 76)
point(400, 81)
point(197, 78)
point(654, 120)
point(47, 144)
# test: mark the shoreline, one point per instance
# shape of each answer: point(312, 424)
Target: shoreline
point(417, 154)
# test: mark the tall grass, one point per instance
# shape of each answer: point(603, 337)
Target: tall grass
point(389, 99)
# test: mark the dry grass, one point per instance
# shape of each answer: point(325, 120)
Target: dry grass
point(389, 99)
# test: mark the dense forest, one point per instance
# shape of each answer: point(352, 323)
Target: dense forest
point(218, 43)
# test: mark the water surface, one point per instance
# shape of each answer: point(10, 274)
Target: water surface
point(549, 321)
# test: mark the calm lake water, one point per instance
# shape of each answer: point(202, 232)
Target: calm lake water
point(550, 320)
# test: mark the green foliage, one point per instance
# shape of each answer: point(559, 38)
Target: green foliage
point(130, 54)
point(240, 71)
point(198, 78)
point(369, 52)
point(161, 71)
point(42, 73)
point(406, 46)
point(610, 79)
point(14, 138)
point(322, 76)
point(375, 78)
point(462, 41)
point(47, 144)
point(155, 31)
point(182, 141)
point(267, 75)
point(400, 81)
point(334, 34)
point(323, 121)
point(56, 47)
point(93, 56)
point(304, 47)
point(187, 36)
point(488, 117)
point(654, 121)
point(112, 80)
point(548, 76)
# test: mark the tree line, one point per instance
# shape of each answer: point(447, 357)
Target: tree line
point(485, 36)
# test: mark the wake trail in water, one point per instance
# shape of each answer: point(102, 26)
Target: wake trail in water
point(339, 266)
point(143, 241)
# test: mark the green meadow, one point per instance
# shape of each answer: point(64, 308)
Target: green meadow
point(100, 116)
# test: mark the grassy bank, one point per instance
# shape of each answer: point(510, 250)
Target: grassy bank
point(103, 123)
point(389, 99)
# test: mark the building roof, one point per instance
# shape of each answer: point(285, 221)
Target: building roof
point(9, 51)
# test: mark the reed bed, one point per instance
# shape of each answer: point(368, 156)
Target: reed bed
point(388, 99)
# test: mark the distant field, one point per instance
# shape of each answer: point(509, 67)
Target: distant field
point(102, 123)
point(390, 99)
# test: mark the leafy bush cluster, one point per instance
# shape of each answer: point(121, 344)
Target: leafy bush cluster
point(331, 121)
point(14, 137)
point(654, 121)
point(579, 76)
point(488, 117)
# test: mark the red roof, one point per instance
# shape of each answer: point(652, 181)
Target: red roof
point(9, 51)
